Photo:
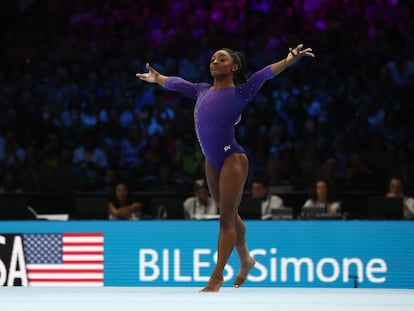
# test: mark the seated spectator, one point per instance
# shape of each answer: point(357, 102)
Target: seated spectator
point(188, 161)
point(201, 205)
point(396, 190)
point(68, 177)
point(153, 157)
point(400, 69)
point(403, 166)
point(260, 189)
point(33, 175)
point(92, 160)
point(322, 196)
point(359, 172)
point(11, 154)
point(122, 206)
point(10, 181)
point(131, 148)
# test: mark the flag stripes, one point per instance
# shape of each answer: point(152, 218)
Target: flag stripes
point(80, 264)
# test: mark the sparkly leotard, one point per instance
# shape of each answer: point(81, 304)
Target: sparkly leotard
point(217, 111)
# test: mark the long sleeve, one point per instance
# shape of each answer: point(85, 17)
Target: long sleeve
point(249, 89)
point(185, 87)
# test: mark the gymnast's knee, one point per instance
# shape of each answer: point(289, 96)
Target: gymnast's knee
point(227, 220)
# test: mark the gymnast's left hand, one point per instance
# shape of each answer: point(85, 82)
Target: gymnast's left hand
point(150, 76)
point(298, 52)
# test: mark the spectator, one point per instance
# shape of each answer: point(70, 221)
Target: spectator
point(396, 190)
point(201, 205)
point(92, 160)
point(359, 171)
point(400, 69)
point(260, 189)
point(10, 181)
point(69, 177)
point(122, 206)
point(328, 172)
point(154, 156)
point(11, 154)
point(322, 196)
point(188, 161)
point(132, 147)
point(49, 157)
point(33, 174)
point(402, 166)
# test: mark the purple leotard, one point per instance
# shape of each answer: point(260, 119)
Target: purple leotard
point(217, 111)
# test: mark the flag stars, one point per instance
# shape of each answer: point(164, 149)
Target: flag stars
point(43, 248)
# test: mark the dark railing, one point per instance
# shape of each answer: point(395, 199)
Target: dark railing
point(85, 205)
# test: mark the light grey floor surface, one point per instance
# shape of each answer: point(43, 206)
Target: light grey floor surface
point(189, 298)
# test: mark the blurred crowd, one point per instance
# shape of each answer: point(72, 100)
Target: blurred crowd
point(75, 118)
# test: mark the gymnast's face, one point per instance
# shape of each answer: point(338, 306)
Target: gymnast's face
point(222, 64)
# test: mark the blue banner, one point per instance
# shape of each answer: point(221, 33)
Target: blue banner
point(369, 254)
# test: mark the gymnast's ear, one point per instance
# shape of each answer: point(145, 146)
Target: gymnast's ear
point(235, 67)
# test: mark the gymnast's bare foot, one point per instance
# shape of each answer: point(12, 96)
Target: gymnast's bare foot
point(244, 270)
point(214, 284)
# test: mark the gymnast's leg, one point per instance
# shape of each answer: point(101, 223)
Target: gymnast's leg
point(247, 262)
point(231, 180)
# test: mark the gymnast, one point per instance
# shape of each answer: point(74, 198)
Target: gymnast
point(218, 108)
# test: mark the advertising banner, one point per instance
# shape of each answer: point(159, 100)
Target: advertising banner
point(369, 254)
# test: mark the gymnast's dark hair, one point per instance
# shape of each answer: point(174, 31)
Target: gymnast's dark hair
point(239, 59)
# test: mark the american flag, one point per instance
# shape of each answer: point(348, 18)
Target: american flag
point(68, 259)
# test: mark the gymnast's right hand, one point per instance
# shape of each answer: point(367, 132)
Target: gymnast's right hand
point(150, 76)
